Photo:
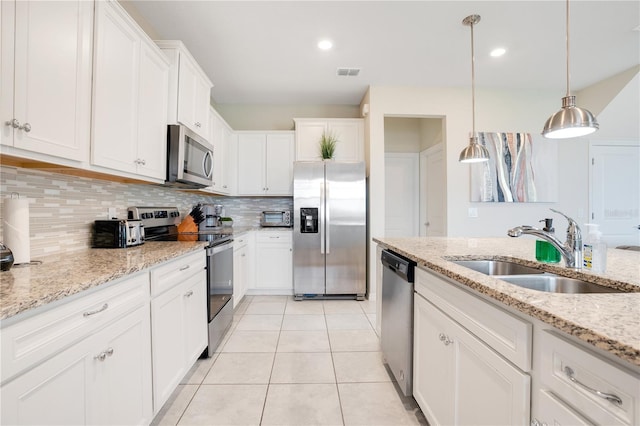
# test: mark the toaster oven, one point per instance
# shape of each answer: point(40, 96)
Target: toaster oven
point(117, 233)
point(276, 219)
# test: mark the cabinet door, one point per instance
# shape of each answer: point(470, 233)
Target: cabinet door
point(489, 390)
point(115, 90)
point(308, 134)
point(168, 349)
point(123, 376)
point(187, 93)
point(433, 364)
point(553, 411)
point(217, 132)
point(279, 164)
point(7, 35)
point(240, 272)
point(202, 103)
point(350, 134)
point(251, 164)
point(274, 266)
point(194, 298)
point(152, 112)
point(52, 76)
point(54, 393)
point(228, 160)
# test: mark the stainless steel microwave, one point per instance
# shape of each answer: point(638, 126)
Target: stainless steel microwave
point(276, 219)
point(189, 158)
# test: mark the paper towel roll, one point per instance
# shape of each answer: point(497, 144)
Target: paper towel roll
point(15, 228)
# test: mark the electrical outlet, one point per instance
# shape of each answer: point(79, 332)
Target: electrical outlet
point(111, 214)
point(473, 212)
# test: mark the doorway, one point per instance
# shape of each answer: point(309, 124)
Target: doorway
point(415, 179)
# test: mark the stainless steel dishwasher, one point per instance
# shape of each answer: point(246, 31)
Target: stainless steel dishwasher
point(397, 318)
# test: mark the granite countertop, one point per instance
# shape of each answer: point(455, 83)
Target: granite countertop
point(609, 321)
point(23, 288)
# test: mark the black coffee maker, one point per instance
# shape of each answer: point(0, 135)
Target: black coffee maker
point(6, 258)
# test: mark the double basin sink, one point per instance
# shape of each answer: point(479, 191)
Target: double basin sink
point(534, 279)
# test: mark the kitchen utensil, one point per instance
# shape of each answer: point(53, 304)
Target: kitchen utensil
point(187, 225)
point(196, 214)
point(6, 258)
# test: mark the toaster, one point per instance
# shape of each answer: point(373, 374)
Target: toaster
point(117, 233)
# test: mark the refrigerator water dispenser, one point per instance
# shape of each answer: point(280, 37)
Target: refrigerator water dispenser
point(308, 220)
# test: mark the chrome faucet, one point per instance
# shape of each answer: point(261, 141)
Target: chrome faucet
point(571, 250)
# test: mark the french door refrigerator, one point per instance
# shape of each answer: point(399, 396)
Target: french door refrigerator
point(329, 229)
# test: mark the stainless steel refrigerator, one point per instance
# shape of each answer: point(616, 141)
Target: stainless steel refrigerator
point(329, 229)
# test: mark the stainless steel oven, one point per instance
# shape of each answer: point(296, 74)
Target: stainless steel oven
point(220, 289)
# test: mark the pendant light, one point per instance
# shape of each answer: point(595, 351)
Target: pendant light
point(570, 121)
point(474, 152)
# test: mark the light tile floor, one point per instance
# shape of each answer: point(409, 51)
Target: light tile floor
point(284, 362)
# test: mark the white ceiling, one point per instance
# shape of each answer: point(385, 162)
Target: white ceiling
point(264, 52)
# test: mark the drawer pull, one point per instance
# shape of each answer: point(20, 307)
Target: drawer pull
point(608, 396)
point(189, 293)
point(97, 311)
point(185, 267)
point(104, 354)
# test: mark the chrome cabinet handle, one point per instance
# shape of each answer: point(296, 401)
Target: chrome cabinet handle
point(97, 311)
point(185, 267)
point(104, 354)
point(13, 123)
point(26, 127)
point(536, 422)
point(197, 123)
point(608, 396)
point(445, 339)
point(274, 237)
point(224, 186)
point(189, 293)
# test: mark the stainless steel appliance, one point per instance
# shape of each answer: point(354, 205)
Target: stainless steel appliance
point(212, 214)
point(329, 232)
point(117, 233)
point(189, 158)
point(396, 329)
point(161, 226)
point(281, 218)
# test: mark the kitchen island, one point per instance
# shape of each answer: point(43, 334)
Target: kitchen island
point(607, 321)
point(489, 352)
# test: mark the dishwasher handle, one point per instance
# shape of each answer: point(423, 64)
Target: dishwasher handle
point(400, 265)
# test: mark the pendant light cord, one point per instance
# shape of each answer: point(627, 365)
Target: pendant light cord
point(567, 17)
point(473, 87)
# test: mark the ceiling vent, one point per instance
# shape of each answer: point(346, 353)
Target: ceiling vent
point(348, 72)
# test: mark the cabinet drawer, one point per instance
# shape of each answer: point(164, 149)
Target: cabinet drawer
point(176, 271)
point(37, 338)
point(285, 237)
point(555, 412)
point(505, 333)
point(562, 359)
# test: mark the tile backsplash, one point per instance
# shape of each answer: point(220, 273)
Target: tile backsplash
point(62, 208)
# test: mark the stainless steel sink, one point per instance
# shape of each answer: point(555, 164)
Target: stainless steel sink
point(497, 267)
point(556, 284)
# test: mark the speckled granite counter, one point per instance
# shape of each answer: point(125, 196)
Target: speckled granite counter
point(27, 287)
point(607, 321)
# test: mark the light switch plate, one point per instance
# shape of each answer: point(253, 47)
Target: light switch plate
point(111, 214)
point(473, 212)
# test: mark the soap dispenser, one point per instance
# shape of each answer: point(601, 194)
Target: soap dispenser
point(545, 251)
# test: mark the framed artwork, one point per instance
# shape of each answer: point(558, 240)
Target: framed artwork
point(522, 168)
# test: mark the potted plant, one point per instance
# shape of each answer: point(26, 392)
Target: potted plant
point(327, 145)
point(226, 222)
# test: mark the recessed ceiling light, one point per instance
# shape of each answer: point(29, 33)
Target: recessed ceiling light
point(325, 44)
point(495, 53)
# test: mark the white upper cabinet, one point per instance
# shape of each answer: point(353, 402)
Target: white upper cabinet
point(348, 131)
point(45, 85)
point(130, 96)
point(265, 163)
point(189, 89)
point(220, 139)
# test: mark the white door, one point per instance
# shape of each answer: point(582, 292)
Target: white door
point(401, 194)
point(615, 192)
point(53, 77)
point(279, 164)
point(432, 192)
point(251, 164)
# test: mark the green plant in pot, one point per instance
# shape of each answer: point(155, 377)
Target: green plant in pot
point(328, 142)
point(226, 222)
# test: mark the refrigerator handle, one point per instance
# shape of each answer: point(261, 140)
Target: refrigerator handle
point(321, 219)
point(327, 221)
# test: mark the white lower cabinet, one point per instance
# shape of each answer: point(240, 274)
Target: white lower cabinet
point(457, 378)
point(241, 266)
point(104, 378)
point(178, 321)
point(555, 412)
point(274, 262)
